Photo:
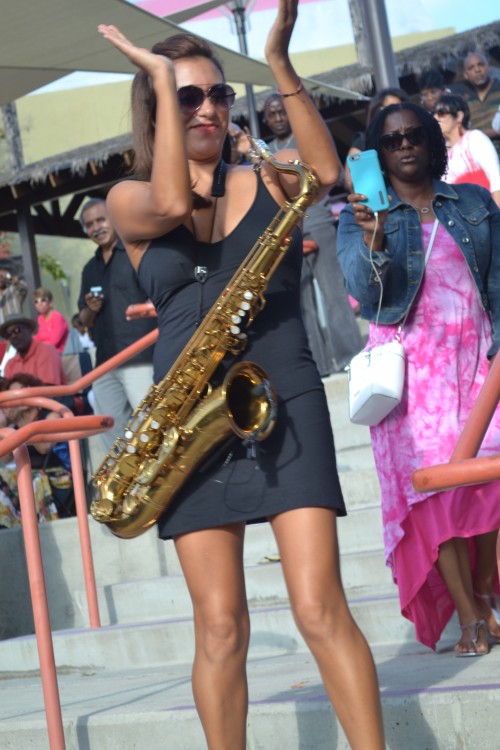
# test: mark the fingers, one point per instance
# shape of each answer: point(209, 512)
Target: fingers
point(139, 56)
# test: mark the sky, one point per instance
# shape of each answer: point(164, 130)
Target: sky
point(322, 23)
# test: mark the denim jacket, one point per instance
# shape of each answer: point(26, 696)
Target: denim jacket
point(471, 217)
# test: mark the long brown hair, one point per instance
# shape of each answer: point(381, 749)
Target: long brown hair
point(144, 99)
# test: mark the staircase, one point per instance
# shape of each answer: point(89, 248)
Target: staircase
point(127, 685)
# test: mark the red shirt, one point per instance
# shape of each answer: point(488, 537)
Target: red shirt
point(43, 361)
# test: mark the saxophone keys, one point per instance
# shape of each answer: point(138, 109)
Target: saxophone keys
point(234, 330)
point(248, 294)
point(235, 319)
point(131, 449)
point(102, 509)
point(130, 505)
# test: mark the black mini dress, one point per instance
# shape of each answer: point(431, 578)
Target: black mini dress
point(295, 466)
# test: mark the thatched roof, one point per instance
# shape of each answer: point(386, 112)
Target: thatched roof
point(76, 162)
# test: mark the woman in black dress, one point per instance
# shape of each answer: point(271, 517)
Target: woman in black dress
point(186, 244)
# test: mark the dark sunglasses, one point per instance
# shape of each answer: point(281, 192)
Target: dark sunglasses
point(441, 111)
point(192, 97)
point(13, 331)
point(394, 141)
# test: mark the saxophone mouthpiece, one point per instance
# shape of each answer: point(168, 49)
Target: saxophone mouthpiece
point(258, 147)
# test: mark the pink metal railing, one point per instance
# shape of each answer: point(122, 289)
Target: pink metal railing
point(464, 466)
point(54, 391)
point(69, 428)
point(73, 429)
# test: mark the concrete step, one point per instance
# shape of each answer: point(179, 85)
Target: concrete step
point(347, 435)
point(150, 599)
point(170, 639)
point(430, 702)
point(117, 560)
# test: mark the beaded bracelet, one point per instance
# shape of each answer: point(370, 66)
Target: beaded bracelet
point(294, 93)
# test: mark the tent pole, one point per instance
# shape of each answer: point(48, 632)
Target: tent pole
point(379, 42)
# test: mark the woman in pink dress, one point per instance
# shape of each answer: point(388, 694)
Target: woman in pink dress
point(52, 326)
point(440, 546)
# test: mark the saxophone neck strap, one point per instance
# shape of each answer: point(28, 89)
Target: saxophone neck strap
point(219, 181)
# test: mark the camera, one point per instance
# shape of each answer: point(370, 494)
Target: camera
point(96, 291)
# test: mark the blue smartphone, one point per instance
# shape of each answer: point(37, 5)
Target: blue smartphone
point(367, 179)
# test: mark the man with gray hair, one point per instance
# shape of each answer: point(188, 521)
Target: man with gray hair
point(109, 285)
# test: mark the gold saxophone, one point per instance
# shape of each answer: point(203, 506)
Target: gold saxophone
point(181, 420)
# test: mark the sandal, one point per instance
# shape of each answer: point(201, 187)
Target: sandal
point(490, 614)
point(473, 628)
point(493, 602)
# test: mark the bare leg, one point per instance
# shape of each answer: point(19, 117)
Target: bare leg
point(454, 565)
point(307, 541)
point(212, 562)
point(484, 576)
point(486, 562)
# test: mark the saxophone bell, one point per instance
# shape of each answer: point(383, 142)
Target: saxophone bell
point(251, 401)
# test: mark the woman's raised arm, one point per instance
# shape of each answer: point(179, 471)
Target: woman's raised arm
point(314, 141)
point(142, 210)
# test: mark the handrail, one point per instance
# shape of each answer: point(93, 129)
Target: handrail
point(43, 428)
point(72, 429)
point(16, 441)
point(79, 385)
point(50, 429)
point(141, 310)
point(464, 466)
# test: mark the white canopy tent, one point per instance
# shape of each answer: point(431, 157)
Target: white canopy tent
point(43, 41)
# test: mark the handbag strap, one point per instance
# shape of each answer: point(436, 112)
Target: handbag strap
point(426, 259)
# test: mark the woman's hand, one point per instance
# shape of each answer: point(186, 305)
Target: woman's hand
point(281, 30)
point(372, 226)
point(139, 56)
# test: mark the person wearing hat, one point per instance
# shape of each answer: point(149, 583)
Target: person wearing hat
point(36, 358)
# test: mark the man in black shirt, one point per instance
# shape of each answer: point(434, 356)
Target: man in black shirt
point(483, 97)
point(109, 285)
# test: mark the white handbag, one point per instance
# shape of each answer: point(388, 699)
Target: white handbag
point(376, 379)
point(376, 375)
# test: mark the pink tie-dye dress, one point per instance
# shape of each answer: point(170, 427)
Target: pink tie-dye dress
point(446, 339)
